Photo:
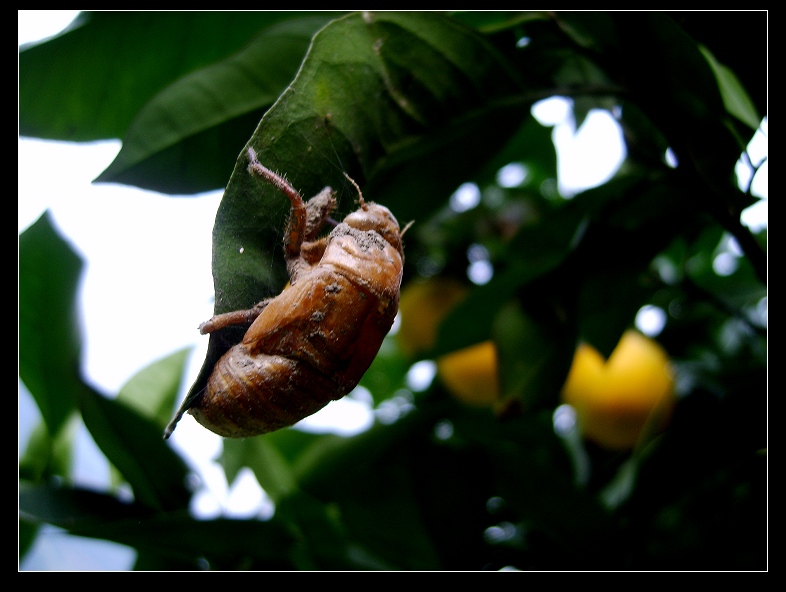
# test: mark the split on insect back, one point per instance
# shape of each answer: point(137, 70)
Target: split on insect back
point(312, 343)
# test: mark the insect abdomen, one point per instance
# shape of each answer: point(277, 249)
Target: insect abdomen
point(249, 395)
point(311, 345)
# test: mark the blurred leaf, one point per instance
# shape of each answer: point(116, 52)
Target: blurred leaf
point(533, 475)
point(608, 303)
point(271, 469)
point(531, 145)
point(730, 291)
point(49, 270)
point(27, 535)
point(46, 456)
point(43, 458)
point(69, 507)
point(184, 126)
point(153, 390)
point(535, 353)
point(90, 82)
point(387, 373)
point(663, 68)
point(35, 460)
point(644, 142)
point(736, 100)
point(133, 444)
point(376, 492)
point(634, 218)
point(492, 20)
point(532, 253)
point(224, 543)
point(593, 30)
point(684, 71)
point(744, 52)
point(620, 488)
point(291, 443)
point(49, 333)
point(323, 543)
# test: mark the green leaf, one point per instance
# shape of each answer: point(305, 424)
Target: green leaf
point(224, 543)
point(664, 72)
point(675, 84)
point(133, 444)
point(370, 480)
point(271, 469)
point(469, 322)
point(43, 458)
point(736, 100)
point(592, 30)
point(46, 456)
point(91, 82)
point(292, 443)
point(370, 85)
point(49, 332)
point(387, 373)
point(69, 507)
point(184, 126)
point(490, 21)
point(631, 219)
point(153, 390)
point(535, 352)
point(317, 129)
point(533, 476)
point(35, 460)
point(534, 251)
point(323, 542)
point(27, 535)
point(530, 145)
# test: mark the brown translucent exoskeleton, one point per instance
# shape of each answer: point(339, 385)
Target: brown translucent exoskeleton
point(312, 343)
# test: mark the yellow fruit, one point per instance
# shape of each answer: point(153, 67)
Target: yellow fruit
point(470, 374)
point(616, 400)
point(423, 305)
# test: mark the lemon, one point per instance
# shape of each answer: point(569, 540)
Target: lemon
point(470, 374)
point(617, 399)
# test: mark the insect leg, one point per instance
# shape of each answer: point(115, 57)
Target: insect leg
point(236, 317)
point(318, 209)
point(297, 223)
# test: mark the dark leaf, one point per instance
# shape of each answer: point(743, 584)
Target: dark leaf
point(133, 444)
point(323, 542)
point(223, 543)
point(376, 494)
point(184, 127)
point(68, 507)
point(535, 351)
point(49, 332)
point(91, 82)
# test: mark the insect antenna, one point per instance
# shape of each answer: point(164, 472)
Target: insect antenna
point(361, 201)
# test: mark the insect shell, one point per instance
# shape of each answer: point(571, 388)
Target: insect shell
point(312, 343)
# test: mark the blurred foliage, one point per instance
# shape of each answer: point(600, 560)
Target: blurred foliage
point(412, 105)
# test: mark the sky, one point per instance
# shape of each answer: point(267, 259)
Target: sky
point(164, 287)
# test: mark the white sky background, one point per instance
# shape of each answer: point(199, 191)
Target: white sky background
point(143, 303)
